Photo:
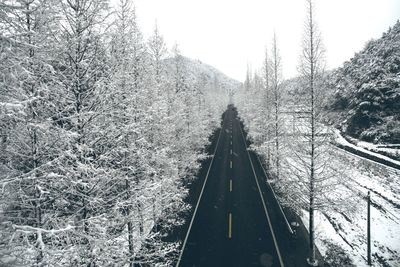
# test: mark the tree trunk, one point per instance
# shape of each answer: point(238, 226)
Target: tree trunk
point(276, 102)
point(312, 163)
point(34, 141)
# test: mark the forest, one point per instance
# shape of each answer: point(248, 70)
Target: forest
point(100, 130)
point(366, 91)
point(298, 127)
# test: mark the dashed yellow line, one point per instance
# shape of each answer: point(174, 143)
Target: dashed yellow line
point(264, 206)
point(230, 226)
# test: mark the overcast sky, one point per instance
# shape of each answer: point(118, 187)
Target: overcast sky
point(229, 34)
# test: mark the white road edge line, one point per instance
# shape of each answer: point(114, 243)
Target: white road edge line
point(198, 202)
point(273, 192)
point(263, 202)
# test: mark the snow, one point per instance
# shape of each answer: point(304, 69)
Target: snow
point(343, 225)
point(363, 147)
point(350, 231)
point(342, 180)
point(389, 149)
point(119, 162)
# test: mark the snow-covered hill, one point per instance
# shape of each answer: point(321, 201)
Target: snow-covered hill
point(366, 99)
point(203, 75)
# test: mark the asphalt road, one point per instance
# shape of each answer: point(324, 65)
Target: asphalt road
point(232, 225)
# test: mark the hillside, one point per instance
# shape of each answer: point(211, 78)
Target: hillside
point(366, 100)
point(203, 75)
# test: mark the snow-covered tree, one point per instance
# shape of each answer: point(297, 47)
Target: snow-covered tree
point(260, 107)
point(275, 84)
point(100, 133)
point(311, 67)
point(302, 155)
point(158, 51)
point(30, 130)
point(266, 105)
point(127, 154)
point(82, 177)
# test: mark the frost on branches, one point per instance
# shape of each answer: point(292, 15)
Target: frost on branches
point(100, 130)
point(285, 124)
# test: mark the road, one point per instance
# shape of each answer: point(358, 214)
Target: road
point(232, 224)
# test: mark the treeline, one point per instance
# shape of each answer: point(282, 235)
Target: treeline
point(99, 135)
point(286, 129)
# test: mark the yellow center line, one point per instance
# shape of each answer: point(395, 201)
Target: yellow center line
point(230, 226)
point(264, 206)
point(230, 185)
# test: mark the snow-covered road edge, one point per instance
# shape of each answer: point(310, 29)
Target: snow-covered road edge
point(341, 142)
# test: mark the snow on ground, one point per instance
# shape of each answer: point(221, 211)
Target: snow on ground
point(346, 227)
point(367, 147)
point(342, 226)
point(392, 149)
point(384, 184)
point(389, 149)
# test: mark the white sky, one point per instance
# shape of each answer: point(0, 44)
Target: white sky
point(229, 34)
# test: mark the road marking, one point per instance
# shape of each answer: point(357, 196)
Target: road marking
point(230, 185)
point(231, 164)
point(230, 226)
point(263, 202)
point(198, 201)
point(231, 142)
point(273, 192)
point(231, 151)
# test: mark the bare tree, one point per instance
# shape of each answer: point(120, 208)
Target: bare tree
point(276, 80)
point(248, 81)
point(267, 104)
point(158, 50)
point(311, 68)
